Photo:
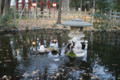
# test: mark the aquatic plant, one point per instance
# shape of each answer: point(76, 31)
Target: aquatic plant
point(53, 49)
point(71, 54)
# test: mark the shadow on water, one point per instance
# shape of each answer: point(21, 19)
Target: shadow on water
point(18, 57)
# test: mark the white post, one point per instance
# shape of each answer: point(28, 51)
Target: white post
point(93, 13)
point(36, 10)
point(22, 12)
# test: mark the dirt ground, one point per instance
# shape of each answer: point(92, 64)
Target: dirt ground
point(38, 23)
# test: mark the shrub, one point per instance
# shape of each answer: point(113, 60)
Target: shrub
point(7, 20)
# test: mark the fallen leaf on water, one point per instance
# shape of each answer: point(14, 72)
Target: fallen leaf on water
point(35, 72)
point(73, 70)
point(0, 61)
point(26, 75)
point(57, 74)
point(38, 78)
point(8, 60)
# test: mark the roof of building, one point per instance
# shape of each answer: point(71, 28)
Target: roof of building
point(76, 23)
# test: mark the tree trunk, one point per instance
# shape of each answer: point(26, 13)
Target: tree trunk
point(68, 5)
point(1, 6)
point(6, 7)
point(90, 1)
point(65, 5)
point(59, 12)
point(15, 13)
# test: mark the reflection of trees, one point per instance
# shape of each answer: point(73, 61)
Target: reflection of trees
point(108, 56)
point(105, 52)
point(42, 40)
point(59, 40)
point(106, 38)
point(9, 48)
point(48, 40)
point(24, 46)
point(7, 51)
point(6, 56)
point(18, 46)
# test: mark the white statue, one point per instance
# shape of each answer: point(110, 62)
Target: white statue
point(42, 49)
point(76, 45)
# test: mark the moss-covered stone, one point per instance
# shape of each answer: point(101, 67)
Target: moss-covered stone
point(71, 54)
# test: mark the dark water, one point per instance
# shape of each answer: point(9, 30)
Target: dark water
point(18, 59)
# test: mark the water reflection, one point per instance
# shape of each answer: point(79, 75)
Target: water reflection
point(105, 55)
point(19, 60)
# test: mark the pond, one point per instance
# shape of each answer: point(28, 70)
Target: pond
point(19, 61)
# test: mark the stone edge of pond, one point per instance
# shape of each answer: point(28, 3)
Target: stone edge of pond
point(33, 29)
point(96, 30)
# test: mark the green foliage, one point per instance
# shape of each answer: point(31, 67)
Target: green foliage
point(116, 5)
point(74, 3)
point(118, 25)
point(6, 20)
point(65, 26)
point(104, 5)
point(102, 28)
point(101, 15)
point(102, 25)
point(106, 25)
point(71, 54)
point(27, 27)
point(54, 25)
point(77, 3)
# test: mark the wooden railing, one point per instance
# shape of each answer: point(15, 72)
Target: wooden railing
point(115, 16)
point(86, 16)
point(37, 14)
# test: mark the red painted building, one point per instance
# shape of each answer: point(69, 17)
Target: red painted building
point(42, 3)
